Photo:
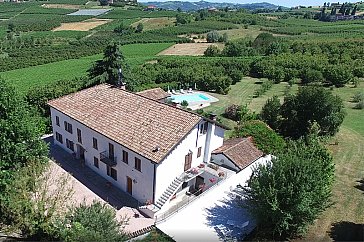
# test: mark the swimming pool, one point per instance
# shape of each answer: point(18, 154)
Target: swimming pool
point(190, 98)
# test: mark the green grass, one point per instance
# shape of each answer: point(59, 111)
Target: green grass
point(348, 154)
point(26, 78)
point(349, 162)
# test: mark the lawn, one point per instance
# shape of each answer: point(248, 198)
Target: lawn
point(241, 32)
point(155, 23)
point(26, 78)
point(342, 220)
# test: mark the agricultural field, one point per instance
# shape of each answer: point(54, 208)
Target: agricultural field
point(155, 23)
point(26, 78)
point(82, 26)
point(188, 49)
point(242, 32)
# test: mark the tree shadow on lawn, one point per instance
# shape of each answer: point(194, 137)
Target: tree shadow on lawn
point(347, 231)
point(360, 186)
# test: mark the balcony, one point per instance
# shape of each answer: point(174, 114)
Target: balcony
point(107, 159)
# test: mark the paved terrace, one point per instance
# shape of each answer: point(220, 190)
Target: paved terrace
point(89, 186)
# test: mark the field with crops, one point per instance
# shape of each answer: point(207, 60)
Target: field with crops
point(26, 78)
point(41, 44)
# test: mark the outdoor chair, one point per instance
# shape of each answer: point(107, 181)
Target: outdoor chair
point(225, 232)
point(174, 92)
point(181, 91)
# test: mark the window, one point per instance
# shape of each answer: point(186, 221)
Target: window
point(94, 143)
point(68, 127)
point(96, 162)
point(70, 145)
point(112, 172)
point(108, 170)
point(188, 161)
point(111, 151)
point(203, 128)
point(57, 120)
point(59, 138)
point(125, 157)
point(199, 151)
point(79, 136)
point(138, 164)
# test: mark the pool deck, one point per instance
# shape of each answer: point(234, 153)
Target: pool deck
point(198, 104)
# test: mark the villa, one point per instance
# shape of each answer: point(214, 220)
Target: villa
point(158, 153)
point(139, 144)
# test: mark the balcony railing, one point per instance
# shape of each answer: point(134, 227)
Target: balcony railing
point(107, 159)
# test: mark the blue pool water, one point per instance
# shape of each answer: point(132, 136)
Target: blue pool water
point(190, 98)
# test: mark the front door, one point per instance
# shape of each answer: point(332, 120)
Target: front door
point(129, 187)
point(80, 152)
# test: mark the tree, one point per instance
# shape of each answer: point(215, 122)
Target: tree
point(311, 75)
point(354, 10)
point(182, 18)
point(184, 104)
point(34, 200)
point(262, 41)
point(266, 139)
point(20, 132)
point(288, 194)
point(223, 37)
point(11, 27)
point(270, 112)
point(239, 113)
point(212, 50)
point(104, 2)
point(108, 69)
point(95, 222)
point(139, 28)
point(347, 11)
point(212, 37)
point(338, 75)
point(311, 104)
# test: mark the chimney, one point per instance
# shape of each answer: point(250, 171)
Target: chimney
point(213, 116)
point(120, 84)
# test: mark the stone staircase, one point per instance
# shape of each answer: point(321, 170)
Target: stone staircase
point(171, 189)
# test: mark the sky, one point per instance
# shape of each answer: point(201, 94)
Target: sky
point(286, 3)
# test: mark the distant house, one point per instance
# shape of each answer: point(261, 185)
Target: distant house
point(150, 8)
point(212, 9)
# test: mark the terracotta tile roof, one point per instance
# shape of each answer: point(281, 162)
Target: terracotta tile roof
point(241, 151)
point(138, 123)
point(155, 93)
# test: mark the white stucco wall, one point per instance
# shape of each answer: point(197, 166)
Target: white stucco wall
point(173, 165)
point(142, 189)
point(214, 140)
point(221, 159)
